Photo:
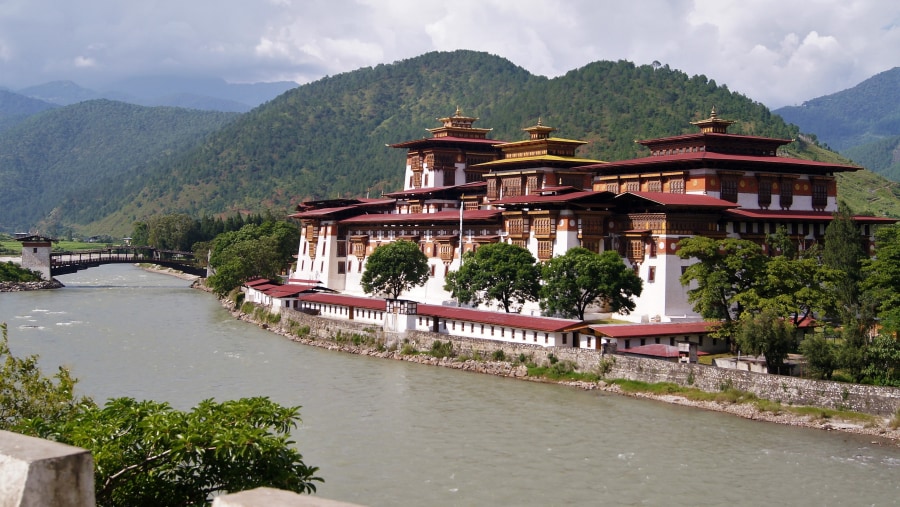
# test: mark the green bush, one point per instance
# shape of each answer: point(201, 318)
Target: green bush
point(441, 349)
point(498, 355)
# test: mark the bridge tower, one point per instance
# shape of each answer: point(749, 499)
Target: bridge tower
point(36, 254)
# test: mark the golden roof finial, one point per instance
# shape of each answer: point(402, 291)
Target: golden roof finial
point(713, 113)
point(458, 111)
point(540, 122)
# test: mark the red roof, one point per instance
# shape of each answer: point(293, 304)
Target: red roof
point(344, 300)
point(819, 216)
point(669, 199)
point(545, 324)
point(557, 198)
point(430, 190)
point(711, 156)
point(445, 140)
point(652, 330)
point(408, 218)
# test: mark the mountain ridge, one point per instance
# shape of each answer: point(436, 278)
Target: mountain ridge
point(328, 138)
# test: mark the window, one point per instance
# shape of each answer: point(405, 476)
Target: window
point(787, 194)
point(565, 338)
point(729, 188)
point(341, 248)
point(676, 186)
point(651, 275)
point(819, 194)
point(633, 186)
point(765, 193)
point(341, 267)
point(654, 186)
point(545, 249)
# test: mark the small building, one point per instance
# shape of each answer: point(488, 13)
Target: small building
point(36, 254)
point(643, 339)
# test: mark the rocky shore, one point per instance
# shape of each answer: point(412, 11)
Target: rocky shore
point(53, 283)
point(878, 428)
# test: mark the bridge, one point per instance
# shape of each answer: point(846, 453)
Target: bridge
point(37, 255)
point(63, 263)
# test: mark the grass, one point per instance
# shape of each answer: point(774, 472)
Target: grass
point(12, 248)
point(735, 396)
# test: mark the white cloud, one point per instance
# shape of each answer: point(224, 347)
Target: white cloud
point(775, 51)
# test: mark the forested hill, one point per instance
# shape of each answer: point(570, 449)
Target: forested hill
point(73, 165)
point(14, 108)
point(327, 139)
point(862, 123)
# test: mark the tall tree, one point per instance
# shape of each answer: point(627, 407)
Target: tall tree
point(724, 269)
point(580, 278)
point(882, 277)
point(395, 268)
point(500, 272)
point(844, 253)
point(796, 288)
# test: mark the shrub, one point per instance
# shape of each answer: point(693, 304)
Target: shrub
point(441, 349)
point(499, 355)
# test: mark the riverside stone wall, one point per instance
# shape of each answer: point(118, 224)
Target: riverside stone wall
point(878, 400)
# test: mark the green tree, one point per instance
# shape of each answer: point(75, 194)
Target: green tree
point(793, 288)
point(253, 251)
point(883, 361)
point(724, 270)
point(580, 278)
point(173, 232)
point(147, 453)
point(242, 260)
point(394, 268)
point(821, 356)
point(882, 276)
point(500, 272)
point(25, 393)
point(767, 334)
point(844, 253)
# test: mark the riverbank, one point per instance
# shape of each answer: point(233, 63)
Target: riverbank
point(877, 427)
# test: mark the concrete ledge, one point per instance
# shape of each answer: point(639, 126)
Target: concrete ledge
point(269, 497)
point(37, 473)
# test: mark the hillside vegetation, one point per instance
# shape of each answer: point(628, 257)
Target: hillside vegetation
point(327, 139)
point(862, 123)
point(71, 165)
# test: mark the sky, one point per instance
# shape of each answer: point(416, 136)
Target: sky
point(777, 52)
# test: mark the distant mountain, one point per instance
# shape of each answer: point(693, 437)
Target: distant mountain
point(61, 93)
point(209, 94)
point(327, 139)
point(856, 121)
point(88, 155)
point(15, 107)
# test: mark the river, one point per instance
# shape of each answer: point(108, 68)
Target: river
point(395, 433)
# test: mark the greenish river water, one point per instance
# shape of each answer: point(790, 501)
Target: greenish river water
point(394, 433)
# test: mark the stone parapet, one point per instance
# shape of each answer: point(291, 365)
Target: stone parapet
point(39, 473)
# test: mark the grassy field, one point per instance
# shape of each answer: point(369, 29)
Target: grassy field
point(12, 248)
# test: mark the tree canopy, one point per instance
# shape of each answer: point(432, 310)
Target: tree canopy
point(395, 268)
point(146, 452)
point(724, 269)
point(253, 251)
point(580, 278)
point(497, 272)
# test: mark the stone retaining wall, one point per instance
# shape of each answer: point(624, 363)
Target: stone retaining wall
point(878, 400)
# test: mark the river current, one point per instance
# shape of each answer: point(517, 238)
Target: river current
point(394, 433)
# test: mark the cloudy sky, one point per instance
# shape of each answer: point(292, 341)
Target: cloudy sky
point(778, 52)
